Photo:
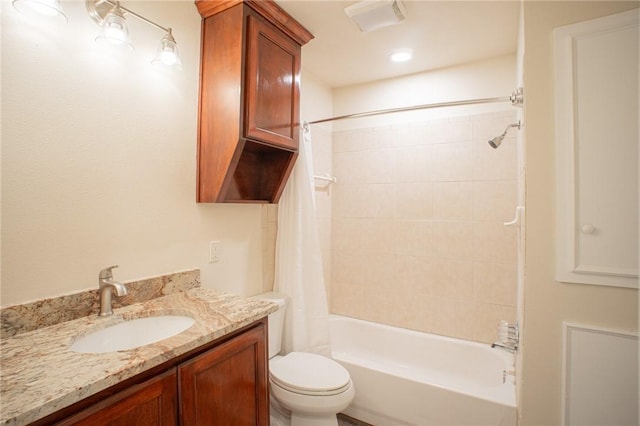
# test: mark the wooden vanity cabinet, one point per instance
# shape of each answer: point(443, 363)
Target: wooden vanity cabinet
point(249, 100)
point(153, 402)
point(226, 385)
point(222, 383)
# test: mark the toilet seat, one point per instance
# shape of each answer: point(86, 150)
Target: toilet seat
point(309, 374)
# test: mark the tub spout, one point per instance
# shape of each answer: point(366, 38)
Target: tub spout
point(511, 348)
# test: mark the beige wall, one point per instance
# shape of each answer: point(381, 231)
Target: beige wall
point(483, 79)
point(98, 161)
point(547, 302)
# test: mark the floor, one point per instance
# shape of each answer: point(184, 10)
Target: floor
point(344, 420)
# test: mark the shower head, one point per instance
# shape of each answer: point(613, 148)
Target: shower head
point(495, 142)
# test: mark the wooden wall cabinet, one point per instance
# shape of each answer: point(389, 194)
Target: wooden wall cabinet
point(222, 383)
point(249, 100)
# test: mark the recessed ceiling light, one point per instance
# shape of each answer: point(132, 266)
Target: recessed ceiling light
point(401, 55)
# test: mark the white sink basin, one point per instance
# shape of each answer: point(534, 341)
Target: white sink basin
point(132, 333)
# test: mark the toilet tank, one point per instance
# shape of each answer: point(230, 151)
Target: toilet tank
point(276, 321)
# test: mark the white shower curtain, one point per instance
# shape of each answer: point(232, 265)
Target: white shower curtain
point(298, 273)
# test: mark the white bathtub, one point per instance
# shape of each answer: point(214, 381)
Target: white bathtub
point(404, 377)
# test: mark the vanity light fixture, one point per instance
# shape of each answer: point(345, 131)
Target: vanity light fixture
point(114, 29)
point(49, 8)
point(110, 15)
point(167, 54)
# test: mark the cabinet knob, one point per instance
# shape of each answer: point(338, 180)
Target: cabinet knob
point(587, 229)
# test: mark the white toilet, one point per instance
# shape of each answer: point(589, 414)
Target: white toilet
point(306, 388)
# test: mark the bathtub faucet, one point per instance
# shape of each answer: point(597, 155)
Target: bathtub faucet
point(510, 348)
point(508, 336)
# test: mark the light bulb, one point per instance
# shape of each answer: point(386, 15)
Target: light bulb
point(48, 8)
point(168, 58)
point(167, 53)
point(114, 29)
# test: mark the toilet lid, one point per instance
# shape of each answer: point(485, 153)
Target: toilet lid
point(308, 373)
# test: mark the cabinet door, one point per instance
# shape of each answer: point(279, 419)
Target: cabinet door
point(227, 385)
point(597, 134)
point(152, 403)
point(271, 86)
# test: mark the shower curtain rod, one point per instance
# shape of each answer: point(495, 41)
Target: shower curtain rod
point(516, 98)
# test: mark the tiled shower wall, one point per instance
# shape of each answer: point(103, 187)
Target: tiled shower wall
point(417, 237)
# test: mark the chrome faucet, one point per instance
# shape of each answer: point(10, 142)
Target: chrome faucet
point(508, 336)
point(511, 347)
point(106, 284)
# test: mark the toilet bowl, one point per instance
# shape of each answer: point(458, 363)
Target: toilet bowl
point(306, 389)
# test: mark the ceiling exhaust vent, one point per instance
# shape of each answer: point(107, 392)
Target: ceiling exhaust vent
point(370, 15)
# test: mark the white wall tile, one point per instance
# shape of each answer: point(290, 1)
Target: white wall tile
point(494, 242)
point(453, 317)
point(453, 200)
point(453, 240)
point(414, 238)
point(495, 164)
point(453, 278)
point(363, 200)
point(415, 311)
point(494, 201)
point(414, 275)
point(453, 162)
point(442, 262)
point(413, 201)
point(415, 164)
point(495, 283)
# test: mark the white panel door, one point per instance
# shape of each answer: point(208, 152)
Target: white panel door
point(597, 145)
point(601, 377)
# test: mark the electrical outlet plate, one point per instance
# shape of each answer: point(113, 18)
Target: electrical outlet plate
point(215, 251)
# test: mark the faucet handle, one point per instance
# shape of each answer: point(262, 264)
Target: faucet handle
point(106, 273)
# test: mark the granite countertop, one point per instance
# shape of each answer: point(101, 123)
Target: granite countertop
point(39, 374)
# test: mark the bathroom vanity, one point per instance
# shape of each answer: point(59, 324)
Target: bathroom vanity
point(213, 373)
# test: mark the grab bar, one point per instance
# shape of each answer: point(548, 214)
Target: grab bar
point(330, 179)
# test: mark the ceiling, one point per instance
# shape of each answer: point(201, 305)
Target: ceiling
point(441, 34)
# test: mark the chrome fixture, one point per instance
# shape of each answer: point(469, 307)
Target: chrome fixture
point(167, 53)
point(516, 98)
point(508, 336)
point(495, 142)
point(326, 178)
point(49, 8)
point(506, 373)
point(106, 285)
point(114, 29)
point(110, 15)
